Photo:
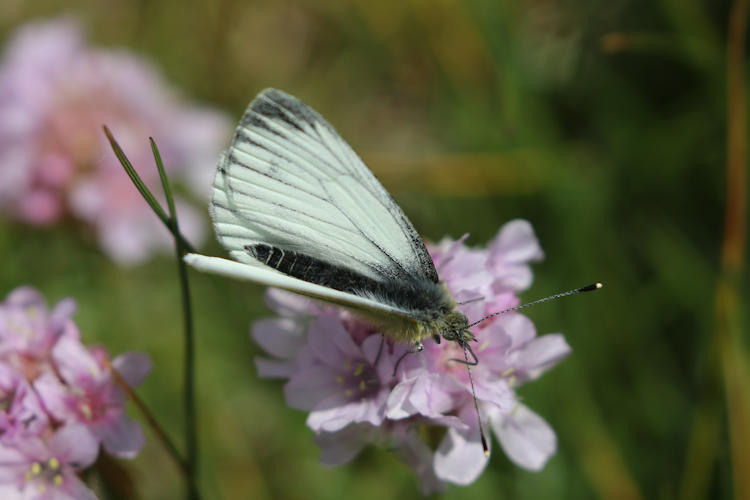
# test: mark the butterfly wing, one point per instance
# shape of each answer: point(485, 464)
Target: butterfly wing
point(390, 317)
point(258, 273)
point(289, 181)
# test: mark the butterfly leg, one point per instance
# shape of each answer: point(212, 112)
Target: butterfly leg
point(418, 347)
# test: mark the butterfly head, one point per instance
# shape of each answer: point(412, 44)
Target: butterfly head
point(455, 328)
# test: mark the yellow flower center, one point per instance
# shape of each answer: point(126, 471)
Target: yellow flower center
point(44, 473)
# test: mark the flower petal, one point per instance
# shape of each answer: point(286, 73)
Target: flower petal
point(336, 412)
point(435, 393)
point(516, 277)
point(53, 394)
point(384, 367)
point(268, 368)
point(339, 448)
point(331, 343)
point(133, 367)
point(518, 327)
point(510, 252)
point(495, 392)
point(460, 458)
point(24, 297)
point(73, 489)
point(76, 445)
point(62, 311)
point(74, 361)
point(525, 437)
point(9, 491)
point(279, 337)
point(10, 459)
point(308, 387)
point(123, 438)
point(516, 242)
point(539, 355)
point(289, 304)
point(398, 405)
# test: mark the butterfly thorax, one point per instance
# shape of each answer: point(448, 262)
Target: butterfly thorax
point(439, 320)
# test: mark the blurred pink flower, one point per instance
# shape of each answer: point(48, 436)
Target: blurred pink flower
point(56, 92)
point(29, 330)
point(22, 414)
point(58, 400)
point(85, 393)
point(329, 358)
point(39, 468)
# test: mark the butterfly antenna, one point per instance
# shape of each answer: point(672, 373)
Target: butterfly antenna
point(589, 288)
point(485, 447)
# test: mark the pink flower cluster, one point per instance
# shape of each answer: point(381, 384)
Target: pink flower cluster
point(55, 94)
point(328, 357)
point(58, 401)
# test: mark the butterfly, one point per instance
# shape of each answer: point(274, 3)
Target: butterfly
point(299, 210)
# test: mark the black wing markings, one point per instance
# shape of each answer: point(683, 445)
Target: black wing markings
point(408, 295)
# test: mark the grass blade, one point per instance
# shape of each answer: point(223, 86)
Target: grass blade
point(144, 190)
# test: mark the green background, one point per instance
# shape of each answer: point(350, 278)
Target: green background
point(602, 123)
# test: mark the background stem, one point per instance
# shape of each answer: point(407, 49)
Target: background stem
point(732, 350)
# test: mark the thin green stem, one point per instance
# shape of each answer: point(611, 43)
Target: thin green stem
point(145, 192)
point(191, 435)
point(188, 465)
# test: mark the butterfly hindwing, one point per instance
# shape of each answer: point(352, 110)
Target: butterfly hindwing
point(382, 312)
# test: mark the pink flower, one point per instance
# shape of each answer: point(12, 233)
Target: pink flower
point(353, 401)
point(28, 329)
point(511, 251)
point(86, 394)
point(21, 412)
point(55, 94)
point(337, 380)
point(58, 400)
point(46, 468)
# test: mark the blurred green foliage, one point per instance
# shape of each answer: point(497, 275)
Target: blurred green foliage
point(603, 123)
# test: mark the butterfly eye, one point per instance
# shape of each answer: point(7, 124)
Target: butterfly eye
point(444, 310)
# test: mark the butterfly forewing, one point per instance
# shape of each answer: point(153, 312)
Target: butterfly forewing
point(290, 181)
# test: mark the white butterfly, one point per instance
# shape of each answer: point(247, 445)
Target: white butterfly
point(297, 209)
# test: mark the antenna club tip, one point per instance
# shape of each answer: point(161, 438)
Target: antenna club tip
point(485, 447)
point(592, 287)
